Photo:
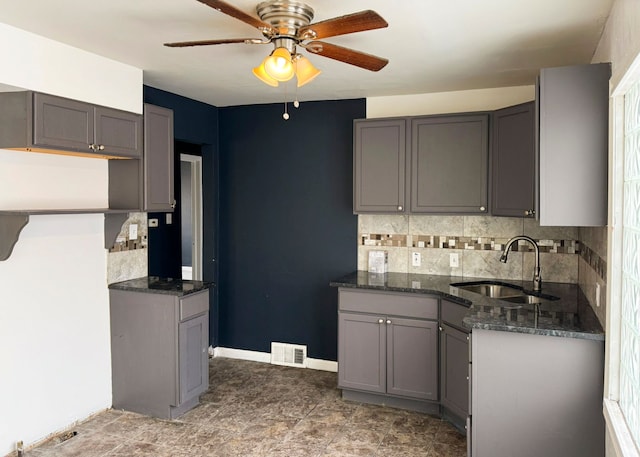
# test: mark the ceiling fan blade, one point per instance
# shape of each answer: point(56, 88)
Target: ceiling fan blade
point(350, 23)
point(184, 44)
point(346, 55)
point(232, 11)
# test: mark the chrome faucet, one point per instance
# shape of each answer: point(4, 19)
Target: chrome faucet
point(537, 279)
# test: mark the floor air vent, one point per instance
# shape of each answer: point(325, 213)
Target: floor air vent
point(291, 355)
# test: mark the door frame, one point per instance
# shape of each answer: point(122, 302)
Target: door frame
point(196, 212)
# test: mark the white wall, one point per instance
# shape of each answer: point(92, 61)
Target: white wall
point(55, 365)
point(449, 102)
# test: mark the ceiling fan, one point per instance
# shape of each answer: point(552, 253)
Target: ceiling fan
point(287, 24)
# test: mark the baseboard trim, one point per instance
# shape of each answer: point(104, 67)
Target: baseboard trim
point(265, 357)
point(322, 365)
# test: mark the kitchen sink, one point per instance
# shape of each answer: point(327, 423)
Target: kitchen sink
point(528, 299)
point(490, 290)
point(501, 291)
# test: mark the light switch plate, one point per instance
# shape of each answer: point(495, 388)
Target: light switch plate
point(169, 219)
point(416, 259)
point(133, 231)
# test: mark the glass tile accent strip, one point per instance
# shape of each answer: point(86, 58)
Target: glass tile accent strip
point(630, 326)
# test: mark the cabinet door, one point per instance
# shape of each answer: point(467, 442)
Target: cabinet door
point(379, 166)
point(412, 358)
point(361, 352)
point(118, 133)
point(573, 141)
point(193, 342)
point(62, 123)
point(513, 161)
point(158, 159)
point(454, 370)
point(449, 164)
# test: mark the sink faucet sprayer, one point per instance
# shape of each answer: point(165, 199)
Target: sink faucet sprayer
point(537, 279)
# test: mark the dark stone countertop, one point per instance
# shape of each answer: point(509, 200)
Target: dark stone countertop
point(571, 316)
point(166, 286)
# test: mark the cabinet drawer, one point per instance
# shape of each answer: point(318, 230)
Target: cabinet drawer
point(388, 303)
point(192, 305)
point(453, 313)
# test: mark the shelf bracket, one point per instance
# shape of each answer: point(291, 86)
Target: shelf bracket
point(112, 226)
point(10, 227)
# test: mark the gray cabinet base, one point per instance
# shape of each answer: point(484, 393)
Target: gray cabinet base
point(455, 420)
point(427, 407)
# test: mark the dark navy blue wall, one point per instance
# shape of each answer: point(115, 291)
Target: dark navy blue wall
point(287, 225)
point(195, 129)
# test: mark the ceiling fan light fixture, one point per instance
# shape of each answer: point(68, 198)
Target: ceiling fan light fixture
point(262, 75)
point(278, 65)
point(305, 71)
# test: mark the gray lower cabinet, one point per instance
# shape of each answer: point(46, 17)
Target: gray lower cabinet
point(388, 345)
point(454, 373)
point(573, 109)
point(158, 159)
point(454, 363)
point(449, 164)
point(379, 168)
point(159, 351)
point(513, 161)
point(519, 381)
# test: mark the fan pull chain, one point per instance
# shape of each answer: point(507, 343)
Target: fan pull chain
point(285, 116)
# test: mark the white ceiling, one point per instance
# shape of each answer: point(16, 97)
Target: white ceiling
point(432, 45)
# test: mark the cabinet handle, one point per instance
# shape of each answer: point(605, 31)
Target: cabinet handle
point(388, 321)
point(467, 378)
point(440, 328)
point(101, 147)
point(482, 208)
point(93, 147)
point(173, 205)
point(399, 207)
point(530, 212)
point(380, 321)
point(467, 338)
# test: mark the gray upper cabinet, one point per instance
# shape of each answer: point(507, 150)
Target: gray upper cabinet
point(119, 132)
point(158, 159)
point(573, 108)
point(38, 122)
point(62, 123)
point(379, 181)
point(449, 164)
point(513, 161)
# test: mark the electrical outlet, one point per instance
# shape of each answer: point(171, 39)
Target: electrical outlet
point(416, 259)
point(153, 222)
point(169, 218)
point(453, 260)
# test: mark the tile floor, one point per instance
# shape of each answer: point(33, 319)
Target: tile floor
point(256, 409)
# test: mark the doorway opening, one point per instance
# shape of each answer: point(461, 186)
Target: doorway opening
point(191, 215)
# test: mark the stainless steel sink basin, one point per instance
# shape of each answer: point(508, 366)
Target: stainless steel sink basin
point(490, 289)
point(527, 299)
point(506, 292)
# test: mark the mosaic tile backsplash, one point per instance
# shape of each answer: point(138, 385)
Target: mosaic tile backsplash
point(478, 241)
